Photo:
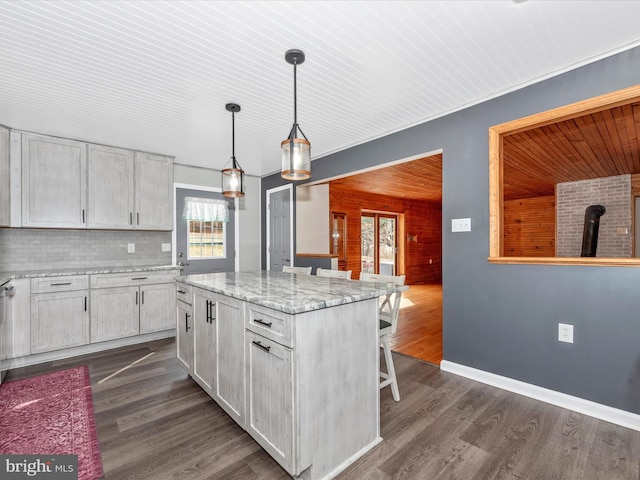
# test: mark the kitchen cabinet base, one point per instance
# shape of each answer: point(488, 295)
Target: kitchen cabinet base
point(89, 348)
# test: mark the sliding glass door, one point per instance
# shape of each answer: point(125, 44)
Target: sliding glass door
point(378, 243)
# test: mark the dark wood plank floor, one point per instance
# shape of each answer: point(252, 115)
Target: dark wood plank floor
point(419, 332)
point(155, 423)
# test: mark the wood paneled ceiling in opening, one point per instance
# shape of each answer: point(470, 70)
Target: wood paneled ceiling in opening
point(416, 180)
point(600, 144)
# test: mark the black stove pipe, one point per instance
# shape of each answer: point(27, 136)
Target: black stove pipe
point(590, 232)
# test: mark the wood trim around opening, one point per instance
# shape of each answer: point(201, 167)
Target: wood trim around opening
point(496, 197)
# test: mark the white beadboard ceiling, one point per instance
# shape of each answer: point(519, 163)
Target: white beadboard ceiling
point(156, 75)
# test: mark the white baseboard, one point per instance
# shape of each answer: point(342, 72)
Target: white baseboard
point(577, 404)
point(89, 348)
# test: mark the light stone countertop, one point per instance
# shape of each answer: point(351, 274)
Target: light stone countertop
point(85, 271)
point(289, 292)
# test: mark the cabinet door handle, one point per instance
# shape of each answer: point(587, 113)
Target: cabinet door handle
point(139, 278)
point(83, 215)
point(266, 348)
point(85, 303)
point(212, 312)
point(60, 284)
point(136, 298)
point(208, 311)
point(262, 322)
point(138, 218)
point(186, 322)
point(142, 297)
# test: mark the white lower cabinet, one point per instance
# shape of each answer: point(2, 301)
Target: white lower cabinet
point(184, 335)
point(204, 331)
point(157, 303)
point(304, 386)
point(124, 305)
point(229, 356)
point(114, 313)
point(216, 332)
point(59, 320)
point(270, 397)
point(54, 313)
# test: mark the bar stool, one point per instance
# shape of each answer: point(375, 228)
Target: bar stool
point(325, 272)
point(388, 312)
point(288, 269)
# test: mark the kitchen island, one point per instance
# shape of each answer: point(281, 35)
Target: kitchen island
point(292, 358)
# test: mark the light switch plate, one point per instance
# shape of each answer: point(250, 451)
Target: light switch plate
point(131, 247)
point(460, 224)
point(166, 247)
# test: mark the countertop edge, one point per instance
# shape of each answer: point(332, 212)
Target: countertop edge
point(86, 271)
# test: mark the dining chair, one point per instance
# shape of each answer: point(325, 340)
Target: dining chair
point(289, 269)
point(388, 313)
point(326, 272)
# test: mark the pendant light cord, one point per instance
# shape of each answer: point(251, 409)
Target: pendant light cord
point(295, 96)
point(233, 139)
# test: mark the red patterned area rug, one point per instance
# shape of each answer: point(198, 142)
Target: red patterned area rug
point(51, 414)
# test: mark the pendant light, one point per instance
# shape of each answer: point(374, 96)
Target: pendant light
point(296, 152)
point(233, 178)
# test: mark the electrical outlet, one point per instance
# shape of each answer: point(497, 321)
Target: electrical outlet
point(460, 224)
point(131, 247)
point(565, 333)
point(166, 247)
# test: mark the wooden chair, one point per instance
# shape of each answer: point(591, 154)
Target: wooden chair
point(288, 269)
point(325, 272)
point(389, 310)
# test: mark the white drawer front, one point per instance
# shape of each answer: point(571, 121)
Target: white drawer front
point(59, 284)
point(132, 279)
point(183, 293)
point(274, 325)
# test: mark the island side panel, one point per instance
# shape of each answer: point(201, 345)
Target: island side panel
point(337, 354)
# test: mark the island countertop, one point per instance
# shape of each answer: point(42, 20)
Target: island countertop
point(290, 292)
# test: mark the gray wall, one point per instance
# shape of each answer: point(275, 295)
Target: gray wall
point(503, 318)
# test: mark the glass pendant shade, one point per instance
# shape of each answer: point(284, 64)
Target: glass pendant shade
point(233, 182)
point(296, 161)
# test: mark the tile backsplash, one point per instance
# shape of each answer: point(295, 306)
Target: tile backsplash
point(34, 249)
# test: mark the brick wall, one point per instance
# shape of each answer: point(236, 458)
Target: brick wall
point(614, 193)
point(32, 249)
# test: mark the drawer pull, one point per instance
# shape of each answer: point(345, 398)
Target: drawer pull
point(139, 278)
point(211, 316)
point(262, 322)
point(263, 347)
point(182, 291)
point(60, 284)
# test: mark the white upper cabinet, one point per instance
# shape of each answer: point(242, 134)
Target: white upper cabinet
point(54, 182)
point(153, 192)
point(110, 188)
point(5, 183)
point(69, 184)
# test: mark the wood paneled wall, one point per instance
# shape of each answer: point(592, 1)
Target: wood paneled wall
point(529, 227)
point(423, 220)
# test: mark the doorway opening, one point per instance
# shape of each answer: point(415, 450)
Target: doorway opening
point(404, 199)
